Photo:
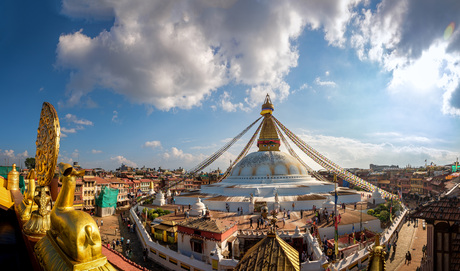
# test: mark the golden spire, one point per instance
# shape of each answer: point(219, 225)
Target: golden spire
point(268, 138)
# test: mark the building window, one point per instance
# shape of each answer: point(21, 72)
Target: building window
point(197, 245)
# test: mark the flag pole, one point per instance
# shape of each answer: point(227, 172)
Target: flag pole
point(336, 235)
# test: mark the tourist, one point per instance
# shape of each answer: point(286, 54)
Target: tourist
point(304, 256)
point(284, 222)
point(293, 206)
point(394, 247)
point(102, 222)
point(340, 218)
point(424, 250)
point(301, 214)
point(118, 242)
point(250, 222)
point(407, 258)
point(289, 214)
point(97, 222)
point(121, 240)
point(114, 243)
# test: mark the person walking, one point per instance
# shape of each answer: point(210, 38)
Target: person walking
point(102, 222)
point(250, 222)
point(409, 256)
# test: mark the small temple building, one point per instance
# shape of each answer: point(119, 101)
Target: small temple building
point(199, 236)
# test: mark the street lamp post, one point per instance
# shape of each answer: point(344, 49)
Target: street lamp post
point(361, 217)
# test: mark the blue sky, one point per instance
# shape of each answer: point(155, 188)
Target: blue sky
point(155, 83)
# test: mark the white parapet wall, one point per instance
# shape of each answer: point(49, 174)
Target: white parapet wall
point(163, 255)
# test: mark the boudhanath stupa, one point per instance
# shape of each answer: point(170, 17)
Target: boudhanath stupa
point(268, 177)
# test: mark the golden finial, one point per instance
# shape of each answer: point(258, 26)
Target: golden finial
point(377, 256)
point(268, 138)
point(267, 107)
point(13, 179)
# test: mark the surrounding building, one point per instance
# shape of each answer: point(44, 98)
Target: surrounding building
point(443, 231)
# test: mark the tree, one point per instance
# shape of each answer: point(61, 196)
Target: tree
point(384, 216)
point(30, 163)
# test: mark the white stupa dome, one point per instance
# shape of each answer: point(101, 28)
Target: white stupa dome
point(197, 208)
point(271, 163)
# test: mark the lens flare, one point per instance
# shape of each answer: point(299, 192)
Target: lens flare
point(449, 30)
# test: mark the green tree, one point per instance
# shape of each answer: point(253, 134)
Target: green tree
point(370, 212)
point(30, 163)
point(384, 216)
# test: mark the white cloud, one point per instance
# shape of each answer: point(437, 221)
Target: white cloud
point(87, 9)
point(69, 131)
point(73, 119)
point(93, 151)
point(324, 83)
point(8, 157)
point(75, 154)
point(349, 152)
point(152, 144)
point(228, 106)
point(122, 160)
point(175, 54)
point(406, 38)
point(115, 116)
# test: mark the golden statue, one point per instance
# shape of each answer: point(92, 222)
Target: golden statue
point(377, 256)
point(27, 205)
point(74, 241)
point(48, 136)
